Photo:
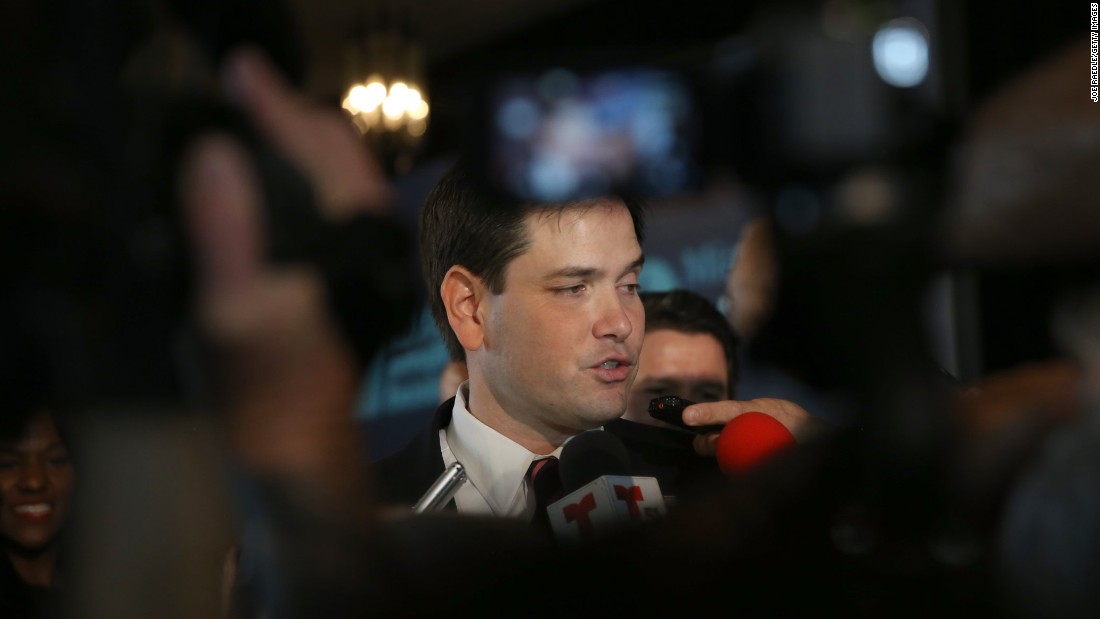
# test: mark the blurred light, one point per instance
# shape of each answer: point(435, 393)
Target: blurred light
point(653, 132)
point(360, 123)
point(552, 179)
point(390, 98)
point(558, 84)
point(393, 108)
point(398, 90)
point(518, 118)
point(357, 98)
point(376, 93)
point(667, 175)
point(393, 123)
point(417, 127)
point(900, 52)
point(419, 111)
point(659, 275)
point(867, 197)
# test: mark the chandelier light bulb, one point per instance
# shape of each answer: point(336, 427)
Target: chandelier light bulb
point(358, 99)
point(419, 111)
point(387, 102)
point(375, 94)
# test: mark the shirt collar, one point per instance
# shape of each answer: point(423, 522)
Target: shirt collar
point(495, 464)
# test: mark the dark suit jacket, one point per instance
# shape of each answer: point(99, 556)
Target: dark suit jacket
point(405, 476)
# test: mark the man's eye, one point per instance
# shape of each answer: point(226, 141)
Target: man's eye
point(572, 290)
point(709, 396)
point(631, 288)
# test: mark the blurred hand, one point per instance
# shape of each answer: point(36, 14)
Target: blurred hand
point(319, 141)
point(291, 380)
point(289, 375)
point(795, 418)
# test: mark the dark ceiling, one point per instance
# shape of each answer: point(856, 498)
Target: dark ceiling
point(983, 43)
point(447, 28)
point(465, 41)
point(452, 29)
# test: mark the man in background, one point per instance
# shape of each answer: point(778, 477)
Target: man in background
point(690, 351)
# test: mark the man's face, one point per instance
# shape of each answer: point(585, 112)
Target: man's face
point(36, 484)
point(689, 365)
point(562, 339)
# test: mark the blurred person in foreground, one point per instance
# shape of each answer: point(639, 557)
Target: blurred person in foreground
point(289, 375)
point(1026, 169)
point(751, 289)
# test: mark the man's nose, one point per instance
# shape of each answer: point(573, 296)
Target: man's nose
point(614, 320)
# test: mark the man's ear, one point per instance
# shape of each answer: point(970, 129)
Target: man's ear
point(462, 293)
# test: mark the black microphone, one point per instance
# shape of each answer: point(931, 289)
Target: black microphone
point(601, 494)
point(590, 455)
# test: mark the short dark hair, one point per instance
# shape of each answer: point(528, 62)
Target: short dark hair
point(466, 222)
point(688, 312)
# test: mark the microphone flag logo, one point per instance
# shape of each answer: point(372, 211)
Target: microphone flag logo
point(604, 505)
point(579, 511)
point(632, 495)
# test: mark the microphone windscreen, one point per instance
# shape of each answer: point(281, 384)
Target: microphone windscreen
point(748, 439)
point(590, 455)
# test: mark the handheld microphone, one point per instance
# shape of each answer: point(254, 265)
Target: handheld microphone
point(670, 409)
point(441, 491)
point(749, 438)
point(600, 494)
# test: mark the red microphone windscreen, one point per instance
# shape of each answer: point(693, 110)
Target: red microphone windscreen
point(748, 439)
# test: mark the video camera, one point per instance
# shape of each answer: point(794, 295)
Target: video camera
point(785, 99)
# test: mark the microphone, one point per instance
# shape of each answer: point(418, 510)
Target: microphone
point(441, 491)
point(749, 438)
point(600, 494)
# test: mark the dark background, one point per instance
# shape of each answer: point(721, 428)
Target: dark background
point(75, 198)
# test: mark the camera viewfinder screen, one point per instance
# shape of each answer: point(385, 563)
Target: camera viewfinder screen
point(559, 135)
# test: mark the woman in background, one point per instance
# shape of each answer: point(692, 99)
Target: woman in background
point(36, 488)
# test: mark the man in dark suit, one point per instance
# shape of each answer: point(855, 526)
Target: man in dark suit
point(689, 351)
point(541, 301)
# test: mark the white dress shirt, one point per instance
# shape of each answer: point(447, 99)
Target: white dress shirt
point(496, 466)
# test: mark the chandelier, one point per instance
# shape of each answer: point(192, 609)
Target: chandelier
point(385, 93)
